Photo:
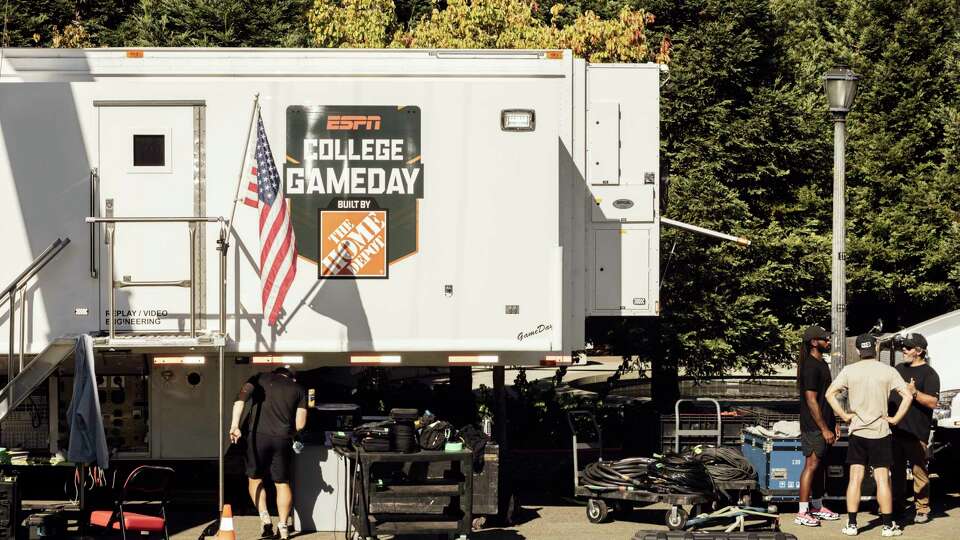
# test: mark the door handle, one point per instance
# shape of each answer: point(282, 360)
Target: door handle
point(94, 179)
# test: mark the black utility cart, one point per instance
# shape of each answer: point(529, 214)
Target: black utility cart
point(384, 480)
point(586, 435)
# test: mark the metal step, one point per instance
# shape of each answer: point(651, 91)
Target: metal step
point(35, 373)
point(159, 342)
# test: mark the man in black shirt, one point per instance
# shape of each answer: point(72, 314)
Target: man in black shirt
point(817, 425)
point(911, 435)
point(278, 411)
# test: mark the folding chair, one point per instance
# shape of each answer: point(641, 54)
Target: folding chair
point(146, 485)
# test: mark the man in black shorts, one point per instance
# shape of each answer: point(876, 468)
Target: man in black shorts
point(868, 384)
point(278, 410)
point(817, 425)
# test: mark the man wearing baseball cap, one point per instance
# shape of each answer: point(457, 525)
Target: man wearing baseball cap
point(910, 436)
point(868, 384)
point(278, 411)
point(817, 425)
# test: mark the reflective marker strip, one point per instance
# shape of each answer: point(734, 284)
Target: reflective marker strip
point(159, 360)
point(375, 360)
point(474, 359)
point(277, 360)
point(556, 360)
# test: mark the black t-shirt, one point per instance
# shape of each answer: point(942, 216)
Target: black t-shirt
point(274, 399)
point(919, 417)
point(815, 376)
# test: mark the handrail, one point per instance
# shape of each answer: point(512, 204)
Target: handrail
point(57, 244)
point(191, 221)
point(154, 219)
point(18, 284)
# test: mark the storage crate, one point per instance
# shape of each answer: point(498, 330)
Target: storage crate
point(838, 474)
point(732, 426)
point(778, 463)
point(766, 417)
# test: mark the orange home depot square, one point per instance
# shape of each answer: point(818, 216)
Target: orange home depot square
point(353, 244)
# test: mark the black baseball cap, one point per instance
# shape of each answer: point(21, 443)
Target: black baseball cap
point(915, 340)
point(815, 332)
point(867, 345)
point(286, 370)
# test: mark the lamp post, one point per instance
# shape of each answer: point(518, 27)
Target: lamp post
point(840, 85)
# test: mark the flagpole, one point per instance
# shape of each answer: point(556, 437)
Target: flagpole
point(243, 162)
point(225, 243)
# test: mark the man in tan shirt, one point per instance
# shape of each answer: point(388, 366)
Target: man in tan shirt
point(868, 384)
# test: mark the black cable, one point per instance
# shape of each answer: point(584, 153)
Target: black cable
point(724, 464)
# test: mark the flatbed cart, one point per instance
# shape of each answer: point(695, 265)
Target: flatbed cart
point(600, 500)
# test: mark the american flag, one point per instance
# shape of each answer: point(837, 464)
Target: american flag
point(278, 250)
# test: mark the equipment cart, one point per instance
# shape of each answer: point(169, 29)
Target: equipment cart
point(600, 500)
point(382, 477)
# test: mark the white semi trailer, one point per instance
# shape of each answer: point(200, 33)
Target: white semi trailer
point(518, 192)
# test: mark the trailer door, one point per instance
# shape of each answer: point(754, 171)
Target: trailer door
point(151, 165)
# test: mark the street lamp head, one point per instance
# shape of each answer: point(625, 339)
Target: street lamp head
point(840, 84)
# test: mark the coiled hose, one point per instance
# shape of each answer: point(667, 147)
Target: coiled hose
point(694, 472)
point(724, 464)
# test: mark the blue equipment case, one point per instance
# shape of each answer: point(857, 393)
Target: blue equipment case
point(778, 462)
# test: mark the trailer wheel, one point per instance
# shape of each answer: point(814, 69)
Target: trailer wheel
point(597, 511)
point(676, 518)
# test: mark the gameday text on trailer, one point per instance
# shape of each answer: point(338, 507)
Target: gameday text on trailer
point(352, 180)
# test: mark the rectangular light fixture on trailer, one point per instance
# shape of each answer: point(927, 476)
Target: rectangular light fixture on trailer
point(518, 120)
point(374, 360)
point(556, 360)
point(161, 360)
point(474, 359)
point(270, 359)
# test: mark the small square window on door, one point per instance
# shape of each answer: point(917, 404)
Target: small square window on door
point(149, 150)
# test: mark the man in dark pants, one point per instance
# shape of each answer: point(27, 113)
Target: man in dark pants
point(278, 411)
point(911, 435)
point(817, 425)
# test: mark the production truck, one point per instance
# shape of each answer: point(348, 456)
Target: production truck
point(513, 194)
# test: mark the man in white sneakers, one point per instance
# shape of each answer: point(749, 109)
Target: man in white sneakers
point(868, 384)
point(817, 426)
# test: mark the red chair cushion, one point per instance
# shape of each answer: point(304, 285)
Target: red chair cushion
point(133, 521)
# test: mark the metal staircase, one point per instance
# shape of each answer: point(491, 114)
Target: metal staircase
point(22, 382)
point(35, 373)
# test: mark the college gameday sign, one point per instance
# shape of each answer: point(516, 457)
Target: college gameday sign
point(354, 178)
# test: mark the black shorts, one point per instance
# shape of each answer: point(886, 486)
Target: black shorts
point(877, 453)
point(812, 442)
point(265, 453)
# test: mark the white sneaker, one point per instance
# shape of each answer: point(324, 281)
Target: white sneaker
point(892, 530)
point(850, 529)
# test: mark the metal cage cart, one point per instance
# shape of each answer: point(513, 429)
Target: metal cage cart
point(587, 436)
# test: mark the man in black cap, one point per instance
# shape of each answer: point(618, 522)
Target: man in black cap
point(817, 425)
point(911, 435)
point(278, 411)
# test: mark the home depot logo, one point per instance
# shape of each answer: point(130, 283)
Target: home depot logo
point(337, 122)
point(353, 243)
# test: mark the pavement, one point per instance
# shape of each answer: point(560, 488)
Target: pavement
point(559, 520)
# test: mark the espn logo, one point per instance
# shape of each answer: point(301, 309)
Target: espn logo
point(353, 122)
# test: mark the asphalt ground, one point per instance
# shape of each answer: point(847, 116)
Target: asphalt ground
point(561, 520)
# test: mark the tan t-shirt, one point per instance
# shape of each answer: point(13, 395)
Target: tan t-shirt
point(868, 384)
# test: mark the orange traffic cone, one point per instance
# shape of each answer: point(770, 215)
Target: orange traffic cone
point(227, 531)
